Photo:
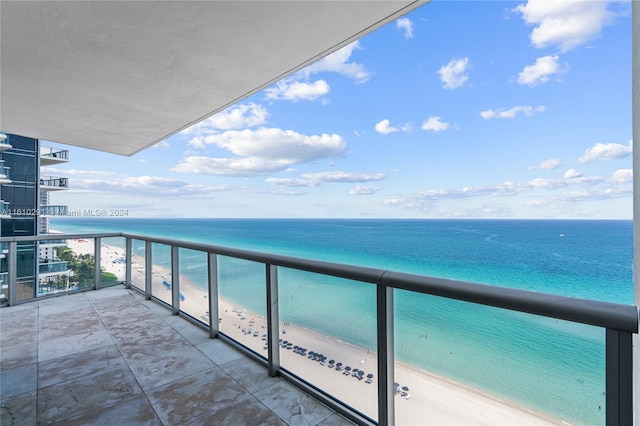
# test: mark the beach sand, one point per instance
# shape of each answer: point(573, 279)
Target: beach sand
point(430, 400)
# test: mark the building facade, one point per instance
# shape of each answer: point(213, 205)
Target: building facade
point(24, 196)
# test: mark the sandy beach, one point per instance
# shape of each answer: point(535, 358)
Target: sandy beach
point(430, 399)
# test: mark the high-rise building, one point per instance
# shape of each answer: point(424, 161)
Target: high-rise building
point(24, 195)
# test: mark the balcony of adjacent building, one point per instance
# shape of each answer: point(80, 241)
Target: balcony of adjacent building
point(50, 156)
point(4, 173)
point(54, 210)
point(4, 145)
point(6, 209)
point(51, 183)
point(52, 267)
point(152, 345)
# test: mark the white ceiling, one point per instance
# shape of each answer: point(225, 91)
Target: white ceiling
point(120, 76)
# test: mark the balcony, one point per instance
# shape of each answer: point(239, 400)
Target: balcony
point(3, 142)
point(51, 156)
point(54, 183)
point(161, 373)
point(52, 267)
point(4, 174)
point(53, 243)
point(54, 210)
point(6, 209)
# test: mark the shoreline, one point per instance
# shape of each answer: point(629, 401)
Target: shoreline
point(431, 396)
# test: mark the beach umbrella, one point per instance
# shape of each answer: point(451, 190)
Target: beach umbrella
point(406, 389)
point(360, 373)
point(339, 364)
point(369, 376)
point(347, 368)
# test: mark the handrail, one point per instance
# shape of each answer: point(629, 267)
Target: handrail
point(591, 312)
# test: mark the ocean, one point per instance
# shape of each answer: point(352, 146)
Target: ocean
point(551, 366)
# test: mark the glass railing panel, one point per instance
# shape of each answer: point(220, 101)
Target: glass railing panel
point(25, 289)
point(194, 284)
point(501, 366)
point(79, 255)
point(113, 261)
point(26, 270)
point(161, 272)
point(137, 264)
point(242, 301)
point(328, 335)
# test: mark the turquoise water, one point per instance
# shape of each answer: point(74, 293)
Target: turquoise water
point(549, 365)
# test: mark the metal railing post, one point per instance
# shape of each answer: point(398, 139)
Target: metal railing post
point(273, 329)
point(12, 269)
point(97, 271)
point(214, 323)
point(175, 281)
point(386, 391)
point(128, 257)
point(147, 270)
point(619, 377)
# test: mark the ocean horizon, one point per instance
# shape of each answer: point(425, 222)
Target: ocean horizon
point(550, 366)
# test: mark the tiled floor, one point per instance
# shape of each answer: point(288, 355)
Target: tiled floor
point(109, 357)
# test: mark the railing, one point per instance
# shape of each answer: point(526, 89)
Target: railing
point(52, 267)
point(143, 254)
point(54, 210)
point(57, 242)
point(4, 172)
point(61, 154)
point(54, 182)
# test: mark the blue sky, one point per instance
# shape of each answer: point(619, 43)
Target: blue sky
point(465, 109)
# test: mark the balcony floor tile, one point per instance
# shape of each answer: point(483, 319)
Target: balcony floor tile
point(112, 357)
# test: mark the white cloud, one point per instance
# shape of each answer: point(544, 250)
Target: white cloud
point(364, 190)
point(75, 172)
point(290, 182)
point(314, 179)
point(565, 23)
point(337, 176)
point(572, 177)
point(405, 25)
point(572, 174)
point(548, 164)
point(236, 117)
point(608, 151)
point(512, 112)
point(453, 75)
point(293, 90)
point(273, 143)
point(261, 151)
point(384, 127)
point(621, 176)
point(435, 124)
point(146, 185)
point(298, 87)
point(339, 62)
point(245, 166)
point(161, 145)
point(428, 200)
point(539, 73)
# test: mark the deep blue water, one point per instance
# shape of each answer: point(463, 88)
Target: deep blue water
point(550, 365)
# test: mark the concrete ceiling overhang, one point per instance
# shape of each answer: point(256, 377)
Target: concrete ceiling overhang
point(120, 76)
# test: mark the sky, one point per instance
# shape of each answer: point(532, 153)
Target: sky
point(459, 109)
